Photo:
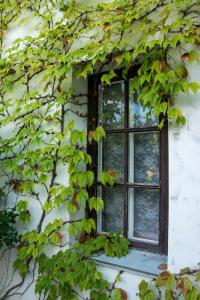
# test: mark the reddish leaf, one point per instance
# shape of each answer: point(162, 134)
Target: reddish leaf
point(163, 266)
point(59, 88)
point(197, 42)
point(17, 186)
point(74, 200)
point(164, 275)
point(124, 294)
point(163, 64)
point(106, 27)
point(185, 73)
point(112, 172)
point(84, 238)
point(185, 56)
point(119, 11)
point(90, 134)
point(59, 235)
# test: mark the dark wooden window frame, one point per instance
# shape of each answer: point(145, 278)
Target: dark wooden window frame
point(92, 149)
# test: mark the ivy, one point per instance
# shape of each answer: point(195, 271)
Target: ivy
point(166, 285)
point(160, 39)
point(8, 234)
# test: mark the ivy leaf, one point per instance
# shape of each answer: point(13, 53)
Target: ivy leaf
point(96, 134)
point(108, 177)
point(117, 294)
point(194, 86)
point(82, 196)
point(74, 200)
point(25, 216)
point(193, 56)
point(54, 238)
point(74, 228)
point(184, 284)
point(106, 78)
point(72, 209)
point(89, 178)
point(169, 295)
point(96, 203)
point(88, 225)
point(192, 294)
point(22, 205)
point(143, 286)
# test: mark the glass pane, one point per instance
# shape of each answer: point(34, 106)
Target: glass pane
point(144, 214)
point(111, 155)
point(112, 216)
point(139, 116)
point(144, 157)
point(111, 105)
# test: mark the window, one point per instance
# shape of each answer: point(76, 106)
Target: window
point(136, 149)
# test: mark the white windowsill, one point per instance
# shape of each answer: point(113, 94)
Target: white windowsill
point(136, 260)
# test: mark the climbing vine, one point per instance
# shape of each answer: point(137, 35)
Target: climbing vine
point(39, 138)
point(184, 285)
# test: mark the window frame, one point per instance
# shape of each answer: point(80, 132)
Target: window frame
point(92, 110)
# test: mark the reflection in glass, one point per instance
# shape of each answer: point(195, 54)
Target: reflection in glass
point(144, 158)
point(144, 214)
point(112, 216)
point(138, 115)
point(111, 105)
point(111, 155)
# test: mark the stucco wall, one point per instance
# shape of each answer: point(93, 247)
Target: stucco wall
point(184, 185)
point(184, 182)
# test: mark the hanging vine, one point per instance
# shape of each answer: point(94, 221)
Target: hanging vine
point(37, 103)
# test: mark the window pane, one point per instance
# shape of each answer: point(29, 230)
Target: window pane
point(111, 155)
point(139, 116)
point(111, 105)
point(144, 157)
point(112, 216)
point(144, 214)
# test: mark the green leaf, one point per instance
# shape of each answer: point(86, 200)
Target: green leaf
point(25, 216)
point(194, 86)
point(22, 205)
point(117, 294)
point(96, 203)
point(193, 56)
point(192, 294)
point(74, 228)
point(108, 177)
point(88, 225)
point(96, 134)
point(48, 206)
point(71, 207)
point(54, 238)
point(106, 78)
point(143, 286)
point(89, 178)
point(169, 295)
point(82, 196)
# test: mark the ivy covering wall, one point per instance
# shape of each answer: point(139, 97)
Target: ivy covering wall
point(36, 103)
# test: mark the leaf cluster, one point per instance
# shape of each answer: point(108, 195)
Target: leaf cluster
point(166, 285)
point(9, 236)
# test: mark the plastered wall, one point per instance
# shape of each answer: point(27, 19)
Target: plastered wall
point(184, 186)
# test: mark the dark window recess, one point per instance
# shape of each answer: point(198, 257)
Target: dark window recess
point(137, 150)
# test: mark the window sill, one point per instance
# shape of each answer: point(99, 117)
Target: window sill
point(136, 261)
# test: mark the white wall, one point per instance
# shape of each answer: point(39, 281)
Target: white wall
point(184, 189)
point(184, 183)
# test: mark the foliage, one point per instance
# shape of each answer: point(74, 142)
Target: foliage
point(37, 99)
point(60, 274)
point(8, 233)
point(172, 286)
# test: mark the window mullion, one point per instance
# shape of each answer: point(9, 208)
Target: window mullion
point(126, 121)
